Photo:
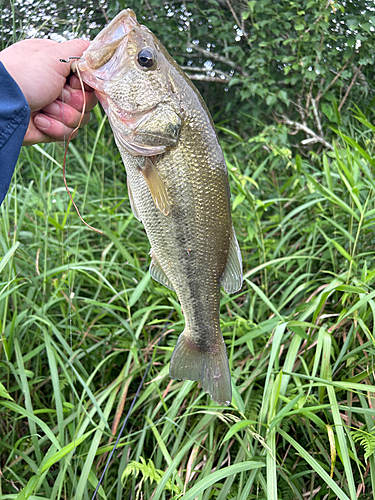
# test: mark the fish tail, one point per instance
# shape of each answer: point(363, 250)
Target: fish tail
point(211, 367)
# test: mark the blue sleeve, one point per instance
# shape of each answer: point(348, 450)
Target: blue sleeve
point(14, 120)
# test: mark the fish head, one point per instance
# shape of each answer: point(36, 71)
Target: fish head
point(132, 75)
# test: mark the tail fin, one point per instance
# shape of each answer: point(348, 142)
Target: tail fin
point(190, 363)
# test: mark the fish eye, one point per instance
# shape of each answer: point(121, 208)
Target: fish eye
point(146, 58)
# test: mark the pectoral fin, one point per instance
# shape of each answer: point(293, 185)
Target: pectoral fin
point(156, 186)
point(132, 204)
point(158, 273)
point(232, 277)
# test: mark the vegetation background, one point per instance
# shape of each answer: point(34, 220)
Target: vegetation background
point(290, 87)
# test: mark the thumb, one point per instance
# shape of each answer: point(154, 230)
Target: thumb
point(64, 50)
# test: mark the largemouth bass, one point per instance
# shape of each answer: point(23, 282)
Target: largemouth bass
point(178, 187)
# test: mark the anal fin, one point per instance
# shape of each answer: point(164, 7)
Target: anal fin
point(232, 276)
point(158, 273)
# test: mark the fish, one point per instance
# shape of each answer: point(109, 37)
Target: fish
point(178, 187)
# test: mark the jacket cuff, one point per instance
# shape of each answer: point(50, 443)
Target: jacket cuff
point(14, 120)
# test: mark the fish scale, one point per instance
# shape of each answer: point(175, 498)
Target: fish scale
point(178, 185)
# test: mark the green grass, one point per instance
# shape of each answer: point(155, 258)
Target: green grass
point(300, 334)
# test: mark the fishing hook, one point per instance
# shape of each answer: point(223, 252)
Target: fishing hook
point(69, 58)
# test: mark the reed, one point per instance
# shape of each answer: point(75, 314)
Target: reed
point(80, 320)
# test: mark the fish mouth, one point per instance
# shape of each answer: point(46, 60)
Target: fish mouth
point(103, 47)
point(105, 44)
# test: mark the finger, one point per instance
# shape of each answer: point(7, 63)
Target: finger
point(66, 114)
point(53, 128)
point(75, 83)
point(35, 136)
point(74, 98)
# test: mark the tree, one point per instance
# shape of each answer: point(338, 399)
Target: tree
point(257, 63)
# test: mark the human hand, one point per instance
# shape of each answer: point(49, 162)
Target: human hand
point(55, 99)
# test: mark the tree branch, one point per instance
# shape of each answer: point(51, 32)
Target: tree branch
point(205, 70)
point(103, 11)
point(316, 116)
point(309, 96)
point(314, 137)
point(205, 78)
point(218, 57)
point(361, 78)
point(350, 87)
point(300, 109)
point(320, 94)
point(236, 18)
point(319, 18)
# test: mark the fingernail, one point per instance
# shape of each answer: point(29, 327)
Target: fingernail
point(42, 122)
point(65, 95)
point(52, 109)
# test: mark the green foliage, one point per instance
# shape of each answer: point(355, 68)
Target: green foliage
point(300, 334)
point(256, 63)
point(80, 319)
point(367, 440)
point(149, 473)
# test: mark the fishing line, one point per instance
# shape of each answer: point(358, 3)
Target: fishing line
point(69, 284)
point(126, 419)
point(66, 146)
point(69, 281)
point(70, 137)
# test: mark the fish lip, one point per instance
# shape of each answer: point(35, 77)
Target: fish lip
point(110, 36)
point(106, 43)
